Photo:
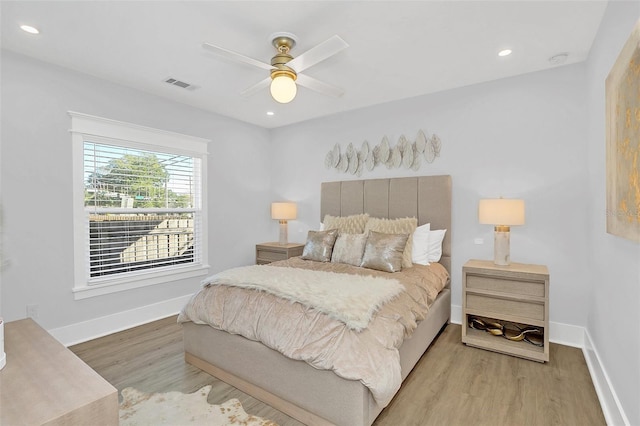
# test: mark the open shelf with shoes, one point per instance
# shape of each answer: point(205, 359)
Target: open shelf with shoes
point(513, 297)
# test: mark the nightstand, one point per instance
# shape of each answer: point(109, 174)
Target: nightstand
point(272, 252)
point(517, 293)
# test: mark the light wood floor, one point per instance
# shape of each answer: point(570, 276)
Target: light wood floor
point(451, 385)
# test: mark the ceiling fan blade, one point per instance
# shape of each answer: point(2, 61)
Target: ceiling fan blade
point(229, 54)
point(319, 86)
point(318, 53)
point(256, 87)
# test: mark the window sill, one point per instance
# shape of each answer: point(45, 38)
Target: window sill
point(86, 291)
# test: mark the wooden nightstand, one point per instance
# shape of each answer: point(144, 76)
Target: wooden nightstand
point(271, 252)
point(517, 293)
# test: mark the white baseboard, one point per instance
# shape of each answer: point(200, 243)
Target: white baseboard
point(611, 407)
point(563, 334)
point(456, 314)
point(98, 327)
point(566, 334)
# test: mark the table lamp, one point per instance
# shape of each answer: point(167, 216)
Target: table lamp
point(283, 212)
point(502, 213)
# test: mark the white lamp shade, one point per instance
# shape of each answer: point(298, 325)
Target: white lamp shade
point(283, 89)
point(501, 211)
point(284, 211)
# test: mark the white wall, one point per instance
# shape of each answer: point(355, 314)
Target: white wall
point(518, 137)
point(36, 177)
point(539, 136)
point(614, 263)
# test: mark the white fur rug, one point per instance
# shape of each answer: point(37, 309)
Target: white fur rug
point(352, 299)
point(176, 408)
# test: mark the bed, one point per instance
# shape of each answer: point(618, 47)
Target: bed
point(316, 396)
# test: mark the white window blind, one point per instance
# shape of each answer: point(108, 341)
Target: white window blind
point(139, 215)
point(141, 209)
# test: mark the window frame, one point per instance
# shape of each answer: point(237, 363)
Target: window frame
point(113, 132)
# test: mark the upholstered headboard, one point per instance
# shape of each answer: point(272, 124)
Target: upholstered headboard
point(428, 198)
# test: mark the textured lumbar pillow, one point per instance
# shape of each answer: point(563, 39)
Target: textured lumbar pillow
point(353, 224)
point(396, 226)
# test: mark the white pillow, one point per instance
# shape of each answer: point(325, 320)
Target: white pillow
point(321, 227)
point(435, 245)
point(420, 249)
point(427, 245)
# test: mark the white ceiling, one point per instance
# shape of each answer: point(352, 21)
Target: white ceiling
point(398, 49)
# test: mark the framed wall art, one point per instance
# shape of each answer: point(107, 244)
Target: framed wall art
point(622, 91)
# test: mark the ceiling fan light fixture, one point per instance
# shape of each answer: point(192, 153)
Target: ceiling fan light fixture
point(283, 86)
point(29, 29)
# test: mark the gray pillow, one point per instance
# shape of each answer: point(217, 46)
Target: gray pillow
point(319, 245)
point(384, 251)
point(349, 248)
point(405, 225)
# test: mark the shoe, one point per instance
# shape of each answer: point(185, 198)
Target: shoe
point(534, 336)
point(515, 335)
point(477, 323)
point(532, 333)
point(492, 327)
point(495, 328)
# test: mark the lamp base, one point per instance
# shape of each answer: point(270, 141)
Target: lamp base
point(501, 246)
point(283, 233)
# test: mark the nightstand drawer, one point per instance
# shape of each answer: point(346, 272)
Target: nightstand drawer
point(505, 285)
point(479, 302)
point(271, 256)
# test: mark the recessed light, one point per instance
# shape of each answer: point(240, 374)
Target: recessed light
point(270, 113)
point(29, 29)
point(505, 52)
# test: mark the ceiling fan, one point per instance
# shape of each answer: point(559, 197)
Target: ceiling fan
point(285, 69)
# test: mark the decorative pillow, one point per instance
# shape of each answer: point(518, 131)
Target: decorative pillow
point(349, 249)
point(435, 245)
point(384, 252)
point(353, 224)
point(420, 249)
point(319, 245)
point(396, 226)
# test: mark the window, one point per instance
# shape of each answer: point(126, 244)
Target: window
point(138, 215)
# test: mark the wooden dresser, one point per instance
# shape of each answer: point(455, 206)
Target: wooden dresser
point(45, 383)
point(517, 293)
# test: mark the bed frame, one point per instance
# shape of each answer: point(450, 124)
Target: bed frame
point(320, 397)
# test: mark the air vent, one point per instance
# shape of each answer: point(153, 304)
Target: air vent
point(182, 84)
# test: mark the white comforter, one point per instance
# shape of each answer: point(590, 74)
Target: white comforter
point(352, 299)
point(304, 333)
